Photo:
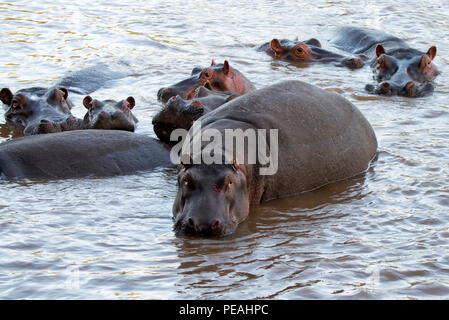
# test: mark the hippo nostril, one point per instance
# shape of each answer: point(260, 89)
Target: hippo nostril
point(215, 225)
point(385, 85)
point(190, 223)
point(410, 85)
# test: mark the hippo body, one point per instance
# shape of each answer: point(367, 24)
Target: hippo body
point(398, 69)
point(322, 138)
point(217, 77)
point(180, 113)
point(307, 51)
point(81, 153)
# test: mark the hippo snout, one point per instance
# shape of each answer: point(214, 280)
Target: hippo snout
point(211, 227)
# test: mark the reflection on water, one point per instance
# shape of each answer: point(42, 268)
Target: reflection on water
point(383, 234)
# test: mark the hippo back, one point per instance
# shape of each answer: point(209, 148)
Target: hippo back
point(322, 137)
point(81, 153)
point(360, 40)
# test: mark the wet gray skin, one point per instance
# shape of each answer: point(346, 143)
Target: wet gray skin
point(397, 68)
point(81, 153)
point(180, 114)
point(109, 114)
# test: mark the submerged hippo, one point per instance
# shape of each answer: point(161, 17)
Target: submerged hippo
point(217, 77)
point(307, 51)
point(109, 114)
point(39, 110)
point(398, 69)
point(81, 153)
point(322, 138)
point(180, 113)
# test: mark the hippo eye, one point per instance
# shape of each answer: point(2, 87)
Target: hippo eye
point(299, 50)
point(187, 183)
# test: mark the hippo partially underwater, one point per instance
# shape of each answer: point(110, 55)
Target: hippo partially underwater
point(398, 69)
point(307, 51)
point(81, 153)
point(322, 138)
point(216, 77)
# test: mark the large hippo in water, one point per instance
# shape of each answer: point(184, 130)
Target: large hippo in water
point(217, 77)
point(81, 153)
point(307, 51)
point(180, 114)
point(398, 68)
point(322, 138)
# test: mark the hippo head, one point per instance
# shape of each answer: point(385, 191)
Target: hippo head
point(51, 104)
point(308, 51)
point(177, 113)
point(294, 50)
point(217, 77)
point(110, 114)
point(211, 200)
point(404, 72)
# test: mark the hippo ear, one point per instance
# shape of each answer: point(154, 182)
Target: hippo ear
point(65, 92)
point(432, 52)
point(131, 102)
point(213, 63)
point(6, 96)
point(380, 50)
point(275, 45)
point(314, 42)
point(87, 102)
point(226, 67)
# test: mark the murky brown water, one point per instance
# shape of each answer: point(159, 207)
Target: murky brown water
point(382, 235)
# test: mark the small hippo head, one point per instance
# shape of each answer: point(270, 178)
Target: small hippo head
point(211, 200)
point(28, 104)
point(110, 114)
point(176, 114)
point(293, 50)
point(405, 72)
point(217, 77)
point(180, 114)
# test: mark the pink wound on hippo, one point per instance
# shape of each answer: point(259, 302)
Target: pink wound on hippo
point(216, 189)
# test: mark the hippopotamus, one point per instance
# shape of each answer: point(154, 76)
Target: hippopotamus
point(307, 51)
point(81, 153)
point(321, 138)
point(180, 113)
point(398, 69)
point(39, 110)
point(217, 77)
point(109, 114)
